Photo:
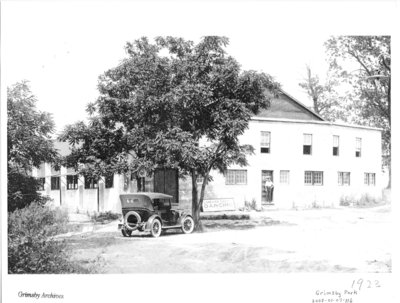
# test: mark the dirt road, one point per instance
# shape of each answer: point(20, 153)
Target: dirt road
point(319, 240)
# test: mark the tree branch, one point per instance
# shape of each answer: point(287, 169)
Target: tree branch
point(359, 61)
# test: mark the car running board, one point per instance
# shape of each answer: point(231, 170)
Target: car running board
point(171, 226)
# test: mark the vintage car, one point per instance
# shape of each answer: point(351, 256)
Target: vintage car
point(152, 212)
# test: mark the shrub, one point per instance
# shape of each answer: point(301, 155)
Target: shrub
point(205, 216)
point(105, 216)
point(31, 246)
point(345, 201)
point(22, 190)
point(315, 205)
point(250, 205)
point(365, 200)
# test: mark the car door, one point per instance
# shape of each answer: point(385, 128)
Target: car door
point(164, 210)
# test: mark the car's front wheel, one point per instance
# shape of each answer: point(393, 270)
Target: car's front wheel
point(188, 225)
point(155, 228)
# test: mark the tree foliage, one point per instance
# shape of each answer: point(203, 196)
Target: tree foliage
point(28, 144)
point(22, 190)
point(170, 104)
point(370, 80)
point(327, 102)
point(28, 130)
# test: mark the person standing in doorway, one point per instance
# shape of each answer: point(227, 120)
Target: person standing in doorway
point(269, 187)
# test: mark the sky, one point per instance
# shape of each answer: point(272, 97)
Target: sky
point(62, 47)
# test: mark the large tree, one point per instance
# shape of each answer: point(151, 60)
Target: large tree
point(364, 62)
point(171, 104)
point(28, 144)
point(327, 102)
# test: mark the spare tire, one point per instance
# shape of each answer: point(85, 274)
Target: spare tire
point(132, 220)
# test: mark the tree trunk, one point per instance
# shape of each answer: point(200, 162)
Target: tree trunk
point(139, 184)
point(316, 107)
point(390, 127)
point(203, 190)
point(195, 204)
point(389, 166)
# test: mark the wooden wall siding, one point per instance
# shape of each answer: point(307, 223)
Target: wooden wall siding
point(286, 108)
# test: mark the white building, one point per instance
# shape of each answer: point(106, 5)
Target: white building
point(311, 162)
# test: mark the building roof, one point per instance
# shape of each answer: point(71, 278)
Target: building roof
point(302, 105)
point(257, 118)
point(287, 107)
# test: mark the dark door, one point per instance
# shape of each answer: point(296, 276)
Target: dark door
point(264, 175)
point(166, 181)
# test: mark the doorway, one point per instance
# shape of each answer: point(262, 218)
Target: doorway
point(264, 175)
point(166, 181)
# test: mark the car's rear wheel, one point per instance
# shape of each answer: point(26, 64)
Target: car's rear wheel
point(126, 233)
point(132, 220)
point(155, 228)
point(188, 225)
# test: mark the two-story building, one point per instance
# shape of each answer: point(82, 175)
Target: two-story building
point(311, 162)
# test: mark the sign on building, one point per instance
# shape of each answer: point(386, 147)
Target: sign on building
point(218, 204)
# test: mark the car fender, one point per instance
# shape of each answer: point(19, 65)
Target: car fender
point(150, 220)
point(182, 216)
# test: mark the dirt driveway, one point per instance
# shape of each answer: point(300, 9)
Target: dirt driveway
point(318, 240)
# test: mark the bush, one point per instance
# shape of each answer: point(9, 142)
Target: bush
point(105, 216)
point(346, 201)
point(205, 216)
point(31, 246)
point(315, 205)
point(22, 190)
point(365, 200)
point(250, 205)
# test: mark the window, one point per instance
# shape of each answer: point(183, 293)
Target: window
point(109, 181)
point(343, 178)
point(91, 183)
point(72, 182)
point(369, 179)
point(126, 181)
point(199, 180)
point(55, 183)
point(41, 182)
point(236, 177)
point(284, 177)
point(335, 151)
point(307, 145)
point(308, 177)
point(162, 204)
point(265, 142)
point(358, 147)
point(313, 178)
